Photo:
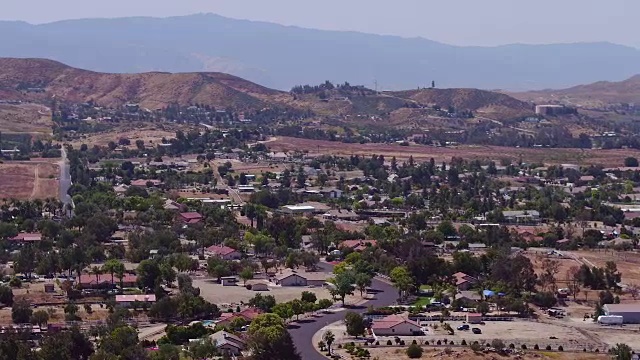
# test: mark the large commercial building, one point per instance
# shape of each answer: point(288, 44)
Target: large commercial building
point(630, 312)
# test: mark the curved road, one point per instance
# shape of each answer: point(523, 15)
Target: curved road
point(302, 336)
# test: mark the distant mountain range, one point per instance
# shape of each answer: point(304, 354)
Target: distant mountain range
point(597, 94)
point(280, 56)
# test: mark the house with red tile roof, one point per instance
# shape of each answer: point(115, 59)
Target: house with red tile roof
point(358, 245)
point(190, 217)
point(395, 325)
point(248, 314)
point(223, 252)
point(27, 237)
point(464, 281)
point(146, 182)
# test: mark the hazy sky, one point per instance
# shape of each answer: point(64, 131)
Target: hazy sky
point(462, 22)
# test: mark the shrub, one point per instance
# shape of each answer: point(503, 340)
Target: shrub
point(463, 343)
point(377, 342)
point(414, 341)
point(339, 346)
point(548, 348)
point(451, 342)
point(402, 342)
point(536, 347)
point(524, 347)
point(389, 342)
point(597, 350)
point(497, 344)
point(448, 351)
point(426, 342)
point(584, 349)
point(475, 347)
point(438, 342)
point(414, 351)
point(560, 348)
point(512, 346)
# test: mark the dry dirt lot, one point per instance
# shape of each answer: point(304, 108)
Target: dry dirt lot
point(424, 153)
point(234, 295)
point(26, 118)
point(150, 135)
point(628, 263)
point(35, 179)
point(467, 354)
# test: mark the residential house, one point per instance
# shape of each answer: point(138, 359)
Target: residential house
point(464, 281)
point(338, 214)
point(358, 245)
point(223, 252)
point(521, 216)
point(395, 325)
point(469, 296)
point(301, 279)
point(129, 300)
point(27, 238)
point(228, 343)
point(172, 205)
point(146, 183)
point(190, 217)
point(248, 314)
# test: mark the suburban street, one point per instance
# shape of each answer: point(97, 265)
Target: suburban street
point(303, 332)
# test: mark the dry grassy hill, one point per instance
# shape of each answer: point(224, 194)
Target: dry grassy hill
point(596, 94)
point(488, 103)
point(151, 90)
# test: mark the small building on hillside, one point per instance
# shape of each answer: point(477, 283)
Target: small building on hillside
point(248, 315)
point(298, 209)
point(395, 325)
point(521, 216)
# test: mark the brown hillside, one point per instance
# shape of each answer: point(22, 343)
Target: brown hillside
point(151, 90)
point(479, 101)
point(596, 94)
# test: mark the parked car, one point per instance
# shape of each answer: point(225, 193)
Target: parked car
point(476, 331)
point(463, 327)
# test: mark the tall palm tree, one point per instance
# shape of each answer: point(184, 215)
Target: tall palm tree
point(97, 271)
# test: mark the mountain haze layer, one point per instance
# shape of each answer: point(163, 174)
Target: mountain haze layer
point(280, 56)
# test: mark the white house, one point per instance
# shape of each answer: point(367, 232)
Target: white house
point(301, 279)
point(395, 325)
point(227, 343)
point(128, 300)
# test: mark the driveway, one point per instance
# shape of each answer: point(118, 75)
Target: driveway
point(302, 333)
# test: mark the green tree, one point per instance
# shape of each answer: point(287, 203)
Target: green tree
point(362, 282)
point(6, 295)
point(21, 312)
point(328, 337)
point(483, 308)
point(402, 280)
point(263, 302)
point(298, 308)
point(283, 310)
point(40, 317)
point(149, 274)
point(308, 296)
point(269, 339)
point(355, 324)
point(71, 344)
point(112, 266)
point(622, 352)
point(414, 351)
point(343, 283)
point(631, 162)
point(246, 274)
